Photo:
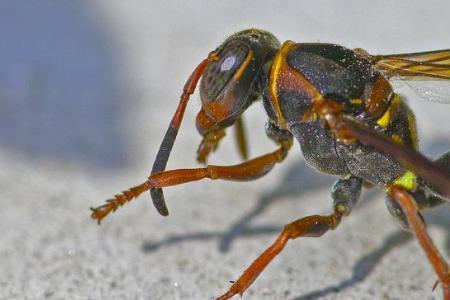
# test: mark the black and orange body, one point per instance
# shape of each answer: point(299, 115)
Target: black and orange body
point(302, 74)
point(339, 105)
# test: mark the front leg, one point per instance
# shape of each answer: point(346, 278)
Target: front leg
point(246, 171)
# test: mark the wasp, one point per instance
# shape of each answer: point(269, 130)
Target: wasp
point(340, 106)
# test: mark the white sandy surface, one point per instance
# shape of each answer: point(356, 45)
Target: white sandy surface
point(87, 89)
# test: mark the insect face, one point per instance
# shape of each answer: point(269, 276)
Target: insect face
point(232, 82)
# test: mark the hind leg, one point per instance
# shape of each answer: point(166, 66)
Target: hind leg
point(423, 200)
point(416, 224)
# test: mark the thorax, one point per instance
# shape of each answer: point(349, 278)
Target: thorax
point(302, 73)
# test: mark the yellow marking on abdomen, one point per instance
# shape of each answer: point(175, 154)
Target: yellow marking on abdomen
point(408, 181)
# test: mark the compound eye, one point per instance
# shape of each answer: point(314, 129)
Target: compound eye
point(218, 74)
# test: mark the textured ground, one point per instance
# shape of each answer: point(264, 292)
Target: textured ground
point(87, 90)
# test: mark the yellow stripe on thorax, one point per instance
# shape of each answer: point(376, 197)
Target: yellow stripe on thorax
point(274, 74)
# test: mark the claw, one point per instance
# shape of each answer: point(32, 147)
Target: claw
point(95, 213)
point(445, 282)
point(227, 295)
point(435, 285)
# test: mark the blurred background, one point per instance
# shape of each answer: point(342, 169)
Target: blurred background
point(87, 89)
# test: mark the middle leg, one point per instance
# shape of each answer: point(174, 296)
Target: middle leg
point(311, 226)
point(345, 193)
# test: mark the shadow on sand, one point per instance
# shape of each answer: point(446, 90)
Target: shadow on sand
point(300, 179)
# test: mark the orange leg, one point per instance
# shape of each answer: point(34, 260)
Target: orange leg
point(248, 170)
point(311, 226)
point(214, 134)
point(209, 144)
point(417, 226)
